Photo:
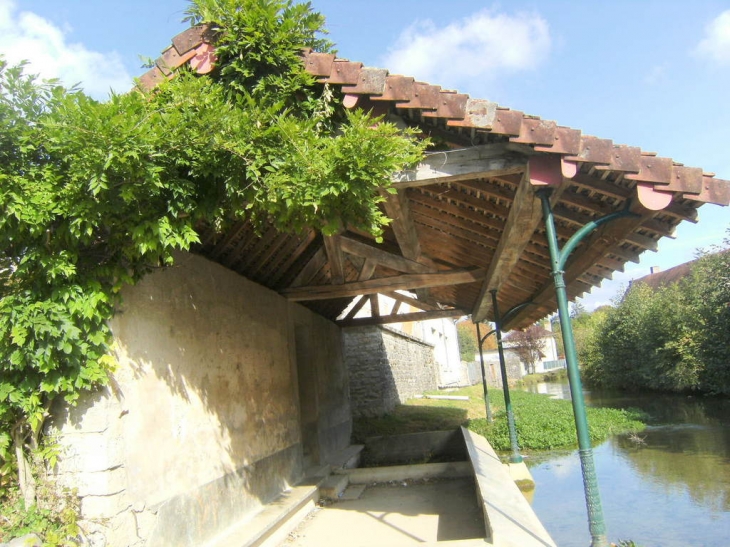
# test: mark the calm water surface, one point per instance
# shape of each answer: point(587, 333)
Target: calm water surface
point(668, 488)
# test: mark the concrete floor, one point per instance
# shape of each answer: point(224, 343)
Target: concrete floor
point(399, 514)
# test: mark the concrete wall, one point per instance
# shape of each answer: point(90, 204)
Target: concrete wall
point(223, 393)
point(386, 367)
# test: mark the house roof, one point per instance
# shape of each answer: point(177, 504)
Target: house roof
point(665, 277)
point(669, 276)
point(467, 220)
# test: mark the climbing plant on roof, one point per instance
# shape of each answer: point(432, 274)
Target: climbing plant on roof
point(95, 195)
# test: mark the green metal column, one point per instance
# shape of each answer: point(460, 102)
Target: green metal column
point(596, 523)
point(515, 457)
point(484, 376)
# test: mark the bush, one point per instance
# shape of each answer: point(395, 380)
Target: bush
point(671, 338)
point(53, 518)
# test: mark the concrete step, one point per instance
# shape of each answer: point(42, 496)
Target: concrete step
point(353, 492)
point(445, 470)
point(271, 526)
point(315, 475)
point(349, 458)
point(333, 486)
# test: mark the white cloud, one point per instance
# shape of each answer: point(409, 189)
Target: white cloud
point(27, 36)
point(716, 44)
point(482, 45)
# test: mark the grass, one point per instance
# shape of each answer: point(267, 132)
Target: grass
point(542, 423)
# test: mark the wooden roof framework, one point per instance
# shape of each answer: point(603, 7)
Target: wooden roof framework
point(467, 220)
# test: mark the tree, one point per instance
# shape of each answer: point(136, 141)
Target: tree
point(710, 286)
point(96, 195)
point(468, 343)
point(672, 338)
point(528, 345)
point(577, 309)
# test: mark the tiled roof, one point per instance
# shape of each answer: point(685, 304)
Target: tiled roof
point(467, 221)
point(668, 277)
point(665, 277)
point(376, 89)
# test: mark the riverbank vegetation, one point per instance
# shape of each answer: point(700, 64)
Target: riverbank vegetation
point(674, 337)
point(542, 423)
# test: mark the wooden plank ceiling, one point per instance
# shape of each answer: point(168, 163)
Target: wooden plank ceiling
point(467, 220)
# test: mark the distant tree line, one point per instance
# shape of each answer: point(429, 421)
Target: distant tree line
point(468, 341)
point(672, 338)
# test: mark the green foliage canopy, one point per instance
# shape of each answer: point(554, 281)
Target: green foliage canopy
point(97, 194)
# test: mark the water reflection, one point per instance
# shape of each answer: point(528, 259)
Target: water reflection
point(668, 486)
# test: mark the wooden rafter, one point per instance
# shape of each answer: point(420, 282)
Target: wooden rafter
point(367, 270)
point(335, 259)
point(311, 268)
point(379, 256)
point(488, 160)
point(398, 282)
point(374, 305)
point(289, 257)
point(401, 318)
point(357, 307)
point(414, 302)
point(524, 218)
point(603, 241)
point(397, 209)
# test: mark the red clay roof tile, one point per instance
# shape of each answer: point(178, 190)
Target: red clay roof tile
point(370, 86)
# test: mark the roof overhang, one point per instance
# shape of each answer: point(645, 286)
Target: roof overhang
point(467, 220)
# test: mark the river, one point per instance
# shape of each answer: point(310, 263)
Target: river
point(669, 486)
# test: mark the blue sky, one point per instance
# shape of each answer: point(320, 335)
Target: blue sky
point(654, 74)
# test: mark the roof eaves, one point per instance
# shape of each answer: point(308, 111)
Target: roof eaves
point(459, 111)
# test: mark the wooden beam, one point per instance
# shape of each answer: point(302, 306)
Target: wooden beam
point(452, 194)
point(335, 259)
point(379, 256)
point(239, 259)
point(485, 161)
point(367, 270)
point(423, 202)
point(396, 208)
point(374, 305)
point(227, 238)
point(453, 227)
point(289, 257)
point(601, 186)
point(357, 307)
point(524, 217)
point(489, 189)
point(398, 282)
point(401, 318)
point(310, 269)
point(603, 241)
point(398, 297)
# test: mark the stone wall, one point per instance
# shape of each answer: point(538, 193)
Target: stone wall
point(223, 393)
point(386, 367)
point(492, 369)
